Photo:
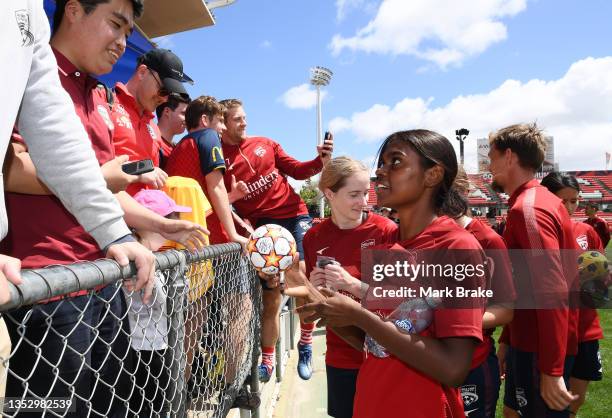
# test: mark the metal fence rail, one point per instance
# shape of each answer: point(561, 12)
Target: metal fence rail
point(102, 352)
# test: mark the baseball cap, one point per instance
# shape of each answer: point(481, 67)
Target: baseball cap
point(159, 202)
point(169, 67)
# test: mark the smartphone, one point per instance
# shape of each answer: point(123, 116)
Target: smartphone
point(326, 137)
point(136, 168)
point(323, 261)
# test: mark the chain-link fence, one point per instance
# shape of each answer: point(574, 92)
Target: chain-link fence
point(83, 345)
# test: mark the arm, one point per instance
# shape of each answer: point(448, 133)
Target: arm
point(20, 173)
point(220, 203)
point(189, 234)
point(59, 147)
point(497, 315)
point(294, 168)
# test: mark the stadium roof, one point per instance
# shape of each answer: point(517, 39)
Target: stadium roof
point(164, 17)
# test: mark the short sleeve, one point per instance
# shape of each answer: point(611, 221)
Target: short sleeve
point(210, 152)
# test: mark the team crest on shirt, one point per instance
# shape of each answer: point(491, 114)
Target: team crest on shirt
point(521, 399)
point(368, 243)
point(583, 242)
point(23, 23)
point(260, 151)
point(151, 131)
point(105, 116)
point(468, 394)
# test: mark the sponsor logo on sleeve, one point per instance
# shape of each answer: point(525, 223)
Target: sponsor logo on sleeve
point(23, 23)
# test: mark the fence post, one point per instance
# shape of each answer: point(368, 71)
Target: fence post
point(176, 304)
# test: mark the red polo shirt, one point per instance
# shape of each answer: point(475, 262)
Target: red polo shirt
point(42, 231)
point(601, 227)
point(136, 134)
point(589, 328)
point(388, 387)
point(264, 166)
point(537, 219)
point(345, 246)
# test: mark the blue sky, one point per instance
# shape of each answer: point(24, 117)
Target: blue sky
point(399, 64)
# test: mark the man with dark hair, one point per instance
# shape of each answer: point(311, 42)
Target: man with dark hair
point(199, 156)
point(598, 224)
point(158, 74)
point(81, 345)
point(542, 339)
point(171, 121)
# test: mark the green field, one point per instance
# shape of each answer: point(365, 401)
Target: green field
point(599, 396)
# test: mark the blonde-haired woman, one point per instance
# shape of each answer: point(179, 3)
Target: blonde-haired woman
point(345, 183)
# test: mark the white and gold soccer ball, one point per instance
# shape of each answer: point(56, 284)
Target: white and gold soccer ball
point(271, 249)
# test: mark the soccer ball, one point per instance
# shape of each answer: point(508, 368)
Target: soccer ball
point(592, 265)
point(271, 249)
point(594, 279)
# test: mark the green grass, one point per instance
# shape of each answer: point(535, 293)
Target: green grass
point(599, 396)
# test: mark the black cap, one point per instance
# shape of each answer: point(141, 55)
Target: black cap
point(169, 67)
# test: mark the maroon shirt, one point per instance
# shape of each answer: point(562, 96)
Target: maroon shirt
point(537, 219)
point(601, 227)
point(42, 231)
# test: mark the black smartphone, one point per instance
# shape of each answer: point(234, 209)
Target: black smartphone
point(326, 137)
point(136, 168)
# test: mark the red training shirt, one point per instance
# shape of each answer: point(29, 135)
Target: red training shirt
point(388, 387)
point(136, 135)
point(42, 231)
point(263, 165)
point(537, 219)
point(501, 282)
point(601, 227)
point(589, 328)
point(345, 246)
point(165, 149)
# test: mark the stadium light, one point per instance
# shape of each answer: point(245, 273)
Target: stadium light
point(461, 136)
point(320, 76)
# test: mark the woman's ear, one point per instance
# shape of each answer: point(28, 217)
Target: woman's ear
point(328, 194)
point(434, 176)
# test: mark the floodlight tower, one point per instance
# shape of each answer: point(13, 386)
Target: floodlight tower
point(320, 76)
point(461, 136)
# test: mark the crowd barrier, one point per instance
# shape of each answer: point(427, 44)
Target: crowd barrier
point(102, 352)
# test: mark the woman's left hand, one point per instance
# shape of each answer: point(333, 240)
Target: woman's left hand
point(336, 310)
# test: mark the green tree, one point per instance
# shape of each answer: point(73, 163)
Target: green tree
point(311, 196)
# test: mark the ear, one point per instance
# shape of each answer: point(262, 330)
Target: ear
point(73, 11)
point(433, 176)
point(141, 71)
point(204, 121)
point(509, 156)
point(328, 194)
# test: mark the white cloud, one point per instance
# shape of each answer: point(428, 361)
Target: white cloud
point(303, 96)
point(343, 7)
point(166, 42)
point(576, 109)
point(445, 32)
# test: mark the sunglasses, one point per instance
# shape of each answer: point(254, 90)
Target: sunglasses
point(162, 91)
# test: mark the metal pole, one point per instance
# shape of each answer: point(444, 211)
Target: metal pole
point(320, 142)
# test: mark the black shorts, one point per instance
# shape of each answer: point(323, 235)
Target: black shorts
point(587, 365)
point(481, 388)
point(341, 385)
point(522, 391)
point(297, 226)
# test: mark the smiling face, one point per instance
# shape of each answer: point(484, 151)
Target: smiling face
point(236, 124)
point(102, 34)
point(400, 177)
point(349, 202)
point(176, 118)
point(148, 88)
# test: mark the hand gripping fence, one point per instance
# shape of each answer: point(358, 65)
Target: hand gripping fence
point(85, 345)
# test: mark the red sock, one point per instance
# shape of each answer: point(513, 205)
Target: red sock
point(267, 357)
point(306, 332)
